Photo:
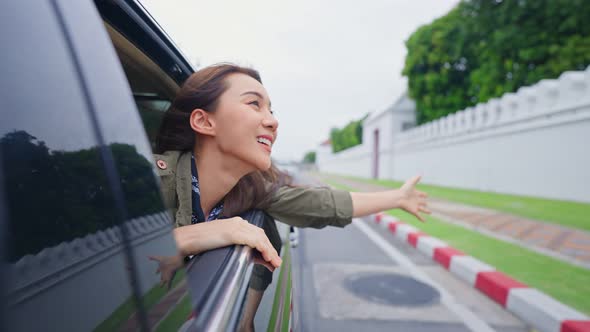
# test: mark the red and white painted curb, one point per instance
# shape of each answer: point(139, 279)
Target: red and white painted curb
point(534, 307)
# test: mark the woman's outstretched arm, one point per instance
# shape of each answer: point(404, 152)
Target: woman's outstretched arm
point(406, 198)
point(318, 207)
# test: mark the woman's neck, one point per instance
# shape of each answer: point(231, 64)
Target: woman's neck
point(218, 174)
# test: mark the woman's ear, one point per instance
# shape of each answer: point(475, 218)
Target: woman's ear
point(202, 123)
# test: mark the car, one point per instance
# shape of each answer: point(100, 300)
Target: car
point(84, 88)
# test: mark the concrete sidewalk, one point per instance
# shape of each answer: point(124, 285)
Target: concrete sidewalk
point(567, 244)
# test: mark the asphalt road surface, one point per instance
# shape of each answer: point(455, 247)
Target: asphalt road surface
point(360, 278)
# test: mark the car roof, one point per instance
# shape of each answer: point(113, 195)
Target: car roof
point(132, 20)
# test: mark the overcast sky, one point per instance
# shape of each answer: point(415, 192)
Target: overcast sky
point(324, 63)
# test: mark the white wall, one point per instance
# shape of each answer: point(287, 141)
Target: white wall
point(533, 142)
point(354, 161)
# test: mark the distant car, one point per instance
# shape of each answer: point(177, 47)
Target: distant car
point(83, 89)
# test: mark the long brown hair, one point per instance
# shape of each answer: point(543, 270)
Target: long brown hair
point(202, 90)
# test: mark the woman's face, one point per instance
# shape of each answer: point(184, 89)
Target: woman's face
point(245, 125)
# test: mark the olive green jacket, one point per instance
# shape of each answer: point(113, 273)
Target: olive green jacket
point(295, 206)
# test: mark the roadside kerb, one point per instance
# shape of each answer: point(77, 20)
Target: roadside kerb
point(529, 302)
point(444, 255)
point(534, 307)
point(426, 245)
point(402, 231)
point(467, 268)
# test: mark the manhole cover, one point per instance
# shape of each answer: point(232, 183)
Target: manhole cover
point(392, 289)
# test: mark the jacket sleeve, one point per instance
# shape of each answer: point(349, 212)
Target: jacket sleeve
point(311, 207)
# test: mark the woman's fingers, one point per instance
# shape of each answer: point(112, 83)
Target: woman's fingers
point(416, 179)
point(419, 216)
point(257, 239)
point(274, 258)
point(259, 260)
point(425, 210)
point(269, 253)
point(264, 250)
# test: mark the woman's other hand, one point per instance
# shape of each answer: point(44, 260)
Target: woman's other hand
point(406, 198)
point(412, 200)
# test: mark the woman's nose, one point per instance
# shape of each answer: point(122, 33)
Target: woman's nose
point(271, 122)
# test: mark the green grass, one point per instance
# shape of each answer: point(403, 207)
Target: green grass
point(566, 213)
point(177, 317)
point(125, 310)
point(566, 283)
point(338, 185)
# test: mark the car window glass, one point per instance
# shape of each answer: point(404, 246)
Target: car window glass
point(151, 109)
point(114, 107)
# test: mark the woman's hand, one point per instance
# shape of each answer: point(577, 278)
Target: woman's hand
point(412, 200)
point(242, 232)
point(167, 267)
point(197, 238)
point(406, 198)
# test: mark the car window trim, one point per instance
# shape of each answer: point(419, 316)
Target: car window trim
point(219, 281)
point(154, 42)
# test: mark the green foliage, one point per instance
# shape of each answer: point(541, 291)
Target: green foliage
point(347, 137)
point(309, 157)
point(484, 48)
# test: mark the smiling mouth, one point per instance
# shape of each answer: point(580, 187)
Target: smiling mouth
point(264, 141)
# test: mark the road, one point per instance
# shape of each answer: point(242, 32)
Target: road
point(360, 278)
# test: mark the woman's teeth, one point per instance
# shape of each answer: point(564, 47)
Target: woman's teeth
point(263, 141)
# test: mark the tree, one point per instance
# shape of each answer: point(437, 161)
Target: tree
point(484, 48)
point(309, 157)
point(347, 137)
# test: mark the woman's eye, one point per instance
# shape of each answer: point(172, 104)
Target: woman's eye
point(255, 102)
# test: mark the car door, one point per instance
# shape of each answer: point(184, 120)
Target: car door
point(81, 207)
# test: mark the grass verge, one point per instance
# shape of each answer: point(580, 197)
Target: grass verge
point(566, 213)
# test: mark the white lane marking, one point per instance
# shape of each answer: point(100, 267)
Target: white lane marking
point(473, 322)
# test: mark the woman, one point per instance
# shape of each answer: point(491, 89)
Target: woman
point(214, 160)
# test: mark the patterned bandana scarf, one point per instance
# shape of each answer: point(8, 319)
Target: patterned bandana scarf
point(198, 214)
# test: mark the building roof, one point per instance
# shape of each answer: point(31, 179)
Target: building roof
point(404, 104)
point(401, 105)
